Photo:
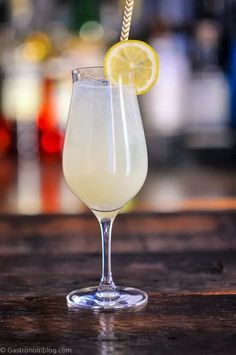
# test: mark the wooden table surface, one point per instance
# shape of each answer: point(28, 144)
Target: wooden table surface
point(184, 261)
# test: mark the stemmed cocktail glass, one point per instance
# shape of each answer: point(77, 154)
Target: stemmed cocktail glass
point(105, 165)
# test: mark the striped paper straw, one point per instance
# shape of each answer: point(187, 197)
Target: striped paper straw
point(129, 4)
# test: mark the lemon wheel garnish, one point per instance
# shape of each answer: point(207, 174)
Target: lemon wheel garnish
point(132, 58)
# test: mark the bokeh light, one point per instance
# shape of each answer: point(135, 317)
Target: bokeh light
point(91, 31)
point(37, 47)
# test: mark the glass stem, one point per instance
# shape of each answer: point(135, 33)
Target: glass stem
point(106, 282)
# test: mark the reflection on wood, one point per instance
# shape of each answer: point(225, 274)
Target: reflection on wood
point(185, 261)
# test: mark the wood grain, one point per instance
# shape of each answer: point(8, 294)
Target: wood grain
point(185, 261)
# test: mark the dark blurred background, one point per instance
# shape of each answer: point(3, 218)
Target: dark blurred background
point(189, 115)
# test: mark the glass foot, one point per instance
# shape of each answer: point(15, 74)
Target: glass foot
point(87, 298)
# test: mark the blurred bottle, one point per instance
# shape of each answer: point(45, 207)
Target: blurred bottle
point(5, 137)
point(231, 65)
point(21, 15)
point(50, 137)
point(4, 12)
point(205, 46)
point(207, 105)
point(177, 14)
point(5, 129)
point(6, 133)
point(211, 9)
point(163, 106)
point(110, 16)
point(232, 73)
point(166, 100)
point(21, 95)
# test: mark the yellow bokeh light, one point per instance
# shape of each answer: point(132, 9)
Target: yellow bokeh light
point(36, 47)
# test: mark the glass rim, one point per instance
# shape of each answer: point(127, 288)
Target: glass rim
point(99, 70)
point(84, 68)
